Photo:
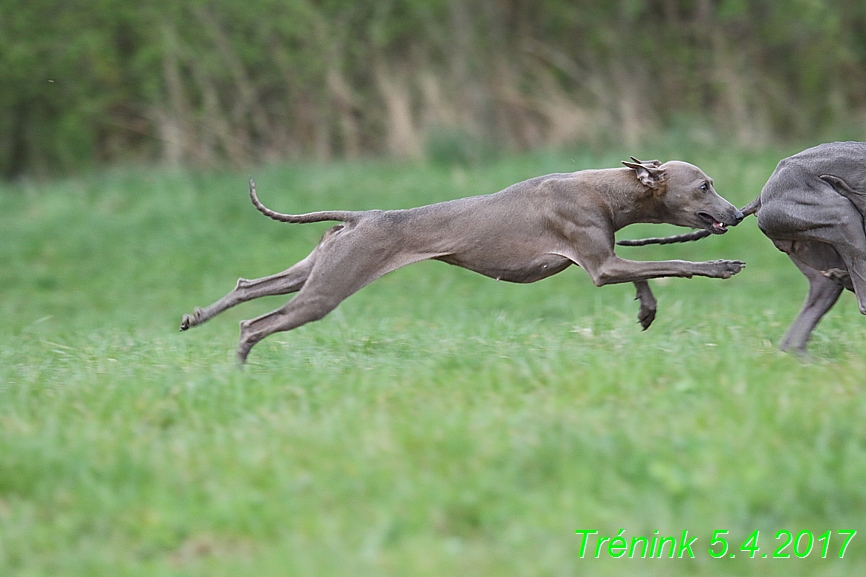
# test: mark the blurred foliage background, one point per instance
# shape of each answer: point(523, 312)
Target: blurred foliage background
point(89, 82)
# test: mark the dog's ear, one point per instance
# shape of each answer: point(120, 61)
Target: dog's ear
point(653, 163)
point(648, 172)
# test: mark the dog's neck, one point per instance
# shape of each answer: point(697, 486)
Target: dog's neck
point(630, 202)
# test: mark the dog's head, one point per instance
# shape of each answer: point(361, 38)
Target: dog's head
point(686, 195)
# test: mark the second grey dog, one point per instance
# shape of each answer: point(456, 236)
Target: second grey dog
point(527, 232)
point(812, 208)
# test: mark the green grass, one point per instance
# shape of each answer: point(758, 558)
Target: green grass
point(437, 423)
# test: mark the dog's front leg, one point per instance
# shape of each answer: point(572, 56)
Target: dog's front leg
point(648, 305)
point(614, 270)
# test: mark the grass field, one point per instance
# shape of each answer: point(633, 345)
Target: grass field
point(437, 423)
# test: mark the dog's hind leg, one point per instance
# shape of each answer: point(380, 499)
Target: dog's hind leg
point(319, 296)
point(849, 240)
point(289, 281)
point(304, 308)
point(342, 266)
point(823, 290)
point(823, 294)
point(858, 199)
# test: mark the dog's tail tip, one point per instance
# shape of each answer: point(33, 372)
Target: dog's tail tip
point(752, 207)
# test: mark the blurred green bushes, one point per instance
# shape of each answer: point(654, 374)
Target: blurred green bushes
point(213, 81)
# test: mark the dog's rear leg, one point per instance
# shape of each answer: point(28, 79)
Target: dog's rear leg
point(342, 267)
point(849, 240)
point(823, 294)
point(648, 304)
point(304, 308)
point(289, 281)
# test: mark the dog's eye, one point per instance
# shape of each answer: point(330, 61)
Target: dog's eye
point(705, 187)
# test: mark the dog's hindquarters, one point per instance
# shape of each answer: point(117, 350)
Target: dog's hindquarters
point(805, 216)
point(346, 260)
point(797, 205)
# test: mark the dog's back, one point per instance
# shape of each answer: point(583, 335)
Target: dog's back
point(803, 186)
point(844, 160)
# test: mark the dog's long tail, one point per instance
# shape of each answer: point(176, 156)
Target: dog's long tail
point(687, 237)
point(340, 215)
point(750, 208)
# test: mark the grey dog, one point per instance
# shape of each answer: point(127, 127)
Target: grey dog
point(812, 208)
point(527, 232)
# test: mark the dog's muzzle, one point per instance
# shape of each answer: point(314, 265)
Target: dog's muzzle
point(715, 225)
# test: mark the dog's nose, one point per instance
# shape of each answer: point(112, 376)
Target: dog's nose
point(739, 216)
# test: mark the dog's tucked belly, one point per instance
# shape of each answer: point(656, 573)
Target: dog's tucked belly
point(518, 271)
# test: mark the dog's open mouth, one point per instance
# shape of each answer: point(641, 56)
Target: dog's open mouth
point(713, 225)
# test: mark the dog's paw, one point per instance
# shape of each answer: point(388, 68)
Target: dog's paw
point(837, 275)
point(728, 268)
point(189, 321)
point(646, 315)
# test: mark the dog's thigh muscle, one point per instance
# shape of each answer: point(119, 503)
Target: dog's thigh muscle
point(857, 197)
